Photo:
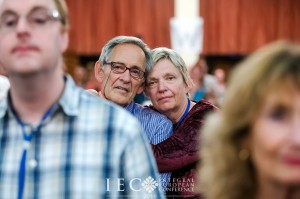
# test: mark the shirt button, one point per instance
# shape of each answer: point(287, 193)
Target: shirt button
point(32, 163)
point(27, 129)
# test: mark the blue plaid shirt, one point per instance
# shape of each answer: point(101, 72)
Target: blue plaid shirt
point(156, 126)
point(87, 148)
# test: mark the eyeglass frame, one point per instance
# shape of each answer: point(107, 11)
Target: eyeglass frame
point(126, 68)
point(52, 15)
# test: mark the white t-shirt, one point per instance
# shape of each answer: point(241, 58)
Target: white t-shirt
point(4, 86)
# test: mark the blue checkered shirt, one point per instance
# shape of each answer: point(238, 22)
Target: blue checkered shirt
point(156, 126)
point(87, 148)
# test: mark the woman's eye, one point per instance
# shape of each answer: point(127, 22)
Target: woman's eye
point(170, 78)
point(151, 83)
point(279, 114)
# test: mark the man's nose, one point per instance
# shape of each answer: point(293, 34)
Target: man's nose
point(126, 75)
point(22, 26)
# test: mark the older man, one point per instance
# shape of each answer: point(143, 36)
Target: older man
point(57, 141)
point(121, 69)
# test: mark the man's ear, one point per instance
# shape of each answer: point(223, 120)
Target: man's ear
point(99, 73)
point(64, 40)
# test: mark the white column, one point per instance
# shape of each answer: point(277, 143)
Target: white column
point(187, 9)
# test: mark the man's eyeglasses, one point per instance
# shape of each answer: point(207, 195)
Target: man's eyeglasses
point(119, 68)
point(37, 18)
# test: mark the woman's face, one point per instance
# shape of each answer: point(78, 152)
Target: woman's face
point(166, 87)
point(275, 139)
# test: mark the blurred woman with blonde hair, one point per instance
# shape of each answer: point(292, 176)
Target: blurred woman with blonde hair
point(251, 148)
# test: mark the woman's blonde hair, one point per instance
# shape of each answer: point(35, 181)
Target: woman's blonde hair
point(223, 174)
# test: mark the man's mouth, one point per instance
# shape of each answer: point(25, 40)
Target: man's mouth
point(122, 89)
point(24, 49)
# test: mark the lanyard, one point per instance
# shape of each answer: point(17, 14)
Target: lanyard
point(184, 114)
point(27, 138)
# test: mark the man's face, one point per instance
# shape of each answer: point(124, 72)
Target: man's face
point(121, 88)
point(32, 39)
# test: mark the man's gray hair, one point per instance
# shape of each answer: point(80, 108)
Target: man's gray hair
point(107, 49)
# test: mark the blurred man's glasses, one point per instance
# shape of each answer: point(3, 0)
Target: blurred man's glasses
point(119, 68)
point(36, 18)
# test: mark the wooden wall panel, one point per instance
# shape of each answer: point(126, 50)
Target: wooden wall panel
point(94, 22)
point(242, 26)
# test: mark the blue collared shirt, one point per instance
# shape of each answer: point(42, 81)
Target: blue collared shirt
point(87, 148)
point(156, 126)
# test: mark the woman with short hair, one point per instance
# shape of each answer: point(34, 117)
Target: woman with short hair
point(168, 85)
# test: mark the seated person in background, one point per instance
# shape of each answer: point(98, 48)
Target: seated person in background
point(92, 83)
point(204, 83)
point(121, 70)
point(168, 85)
point(220, 87)
point(79, 76)
point(251, 148)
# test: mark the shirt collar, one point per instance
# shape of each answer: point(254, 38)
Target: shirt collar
point(3, 106)
point(69, 100)
point(130, 107)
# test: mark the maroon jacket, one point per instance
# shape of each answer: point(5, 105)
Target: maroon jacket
point(179, 153)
